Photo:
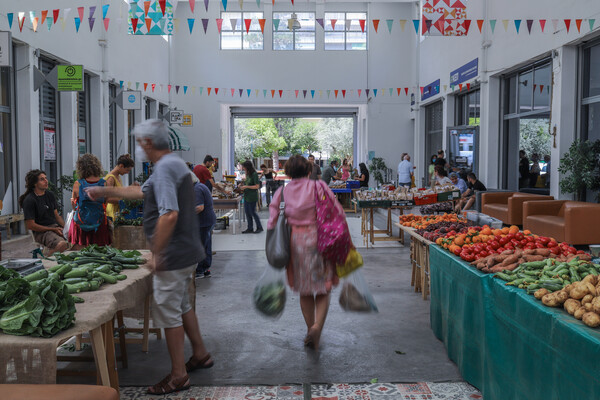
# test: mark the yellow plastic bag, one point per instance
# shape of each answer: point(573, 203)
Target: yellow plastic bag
point(353, 262)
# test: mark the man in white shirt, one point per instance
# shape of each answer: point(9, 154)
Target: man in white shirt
point(405, 172)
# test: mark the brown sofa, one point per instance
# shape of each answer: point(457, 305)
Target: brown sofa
point(574, 222)
point(507, 206)
point(57, 392)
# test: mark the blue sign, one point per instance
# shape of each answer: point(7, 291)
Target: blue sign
point(431, 90)
point(468, 71)
point(131, 98)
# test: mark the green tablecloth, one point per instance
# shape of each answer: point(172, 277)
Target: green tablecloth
point(507, 343)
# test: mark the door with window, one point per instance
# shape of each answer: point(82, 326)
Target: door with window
point(6, 168)
point(434, 135)
point(49, 126)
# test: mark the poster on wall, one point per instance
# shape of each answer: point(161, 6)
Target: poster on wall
point(149, 18)
point(49, 144)
point(444, 18)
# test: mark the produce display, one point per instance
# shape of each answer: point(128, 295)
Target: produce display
point(43, 307)
point(270, 299)
point(440, 229)
point(445, 207)
point(423, 221)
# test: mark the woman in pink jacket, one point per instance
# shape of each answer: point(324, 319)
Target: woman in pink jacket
point(308, 273)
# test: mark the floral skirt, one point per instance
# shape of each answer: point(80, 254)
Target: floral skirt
point(307, 272)
point(101, 237)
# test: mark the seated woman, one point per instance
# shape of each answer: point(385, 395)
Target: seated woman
point(364, 176)
point(441, 176)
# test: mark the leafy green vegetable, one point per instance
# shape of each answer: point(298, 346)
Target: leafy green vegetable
point(13, 291)
point(269, 299)
point(23, 318)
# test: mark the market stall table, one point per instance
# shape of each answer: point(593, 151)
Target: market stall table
point(26, 359)
point(344, 196)
point(504, 341)
point(234, 204)
point(367, 226)
point(419, 257)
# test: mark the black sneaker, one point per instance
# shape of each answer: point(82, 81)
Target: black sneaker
point(248, 231)
point(259, 230)
point(207, 274)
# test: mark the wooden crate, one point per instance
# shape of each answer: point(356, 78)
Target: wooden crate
point(127, 237)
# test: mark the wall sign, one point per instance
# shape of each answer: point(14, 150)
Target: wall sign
point(468, 71)
point(187, 120)
point(132, 100)
point(70, 78)
point(431, 90)
point(5, 46)
point(176, 117)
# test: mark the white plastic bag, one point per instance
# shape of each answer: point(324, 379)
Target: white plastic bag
point(68, 222)
point(355, 295)
point(270, 292)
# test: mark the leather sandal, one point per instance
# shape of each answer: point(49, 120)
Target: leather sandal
point(168, 385)
point(194, 363)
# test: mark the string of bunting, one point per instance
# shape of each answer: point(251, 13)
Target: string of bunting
point(53, 17)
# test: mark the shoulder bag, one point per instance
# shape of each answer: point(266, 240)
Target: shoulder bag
point(278, 240)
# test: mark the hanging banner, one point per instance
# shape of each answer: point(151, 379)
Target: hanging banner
point(443, 18)
point(468, 71)
point(157, 21)
point(70, 78)
point(5, 46)
point(430, 90)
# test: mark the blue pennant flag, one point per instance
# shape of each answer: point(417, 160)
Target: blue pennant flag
point(248, 90)
point(191, 23)
point(375, 92)
point(312, 93)
point(77, 23)
point(10, 19)
point(105, 10)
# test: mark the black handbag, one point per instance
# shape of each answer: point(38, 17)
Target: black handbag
point(278, 240)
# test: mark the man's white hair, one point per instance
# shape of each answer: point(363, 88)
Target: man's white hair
point(155, 130)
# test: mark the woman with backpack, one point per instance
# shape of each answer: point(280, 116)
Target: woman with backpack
point(90, 225)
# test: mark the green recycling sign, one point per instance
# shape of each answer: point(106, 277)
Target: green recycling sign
point(70, 78)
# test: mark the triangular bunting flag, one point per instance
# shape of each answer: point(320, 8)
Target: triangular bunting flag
point(163, 6)
point(336, 93)
point(390, 22)
point(105, 10)
point(304, 93)
point(578, 24)
point(216, 91)
point(145, 86)
point(35, 24)
point(258, 3)
point(427, 26)
point(193, 89)
point(91, 21)
point(542, 24)
point(391, 90)
point(592, 21)
point(529, 25)
point(233, 22)
point(466, 25)
point(55, 14)
point(241, 4)
point(493, 25)
point(480, 24)
point(281, 91)
point(328, 93)
point(541, 88)
point(416, 25)
point(121, 84)
point(297, 92)
point(80, 11)
point(148, 22)
point(200, 89)
point(361, 22)
point(106, 23)
point(49, 22)
point(534, 87)
point(367, 92)
point(92, 11)
point(208, 90)
point(555, 24)
point(272, 93)
point(376, 25)
point(240, 91)
point(134, 23)
point(219, 24)
point(177, 89)
point(66, 13)
point(146, 8)
point(321, 93)
point(224, 4)
point(185, 89)
point(137, 86)
point(406, 91)
point(192, 5)
point(348, 24)
point(344, 93)
point(445, 88)
point(232, 92)
point(505, 23)
point(568, 24)
point(63, 24)
point(468, 86)
point(248, 91)
point(205, 25)
point(206, 4)
point(402, 24)
point(247, 22)
point(276, 24)
point(190, 24)
point(383, 92)
point(21, 20)
point(44, 16)
point(264, 92)
point(398, 90)
point(77, 23)
point(261, 22)
point(375, 92)
point(517, 24)
point(31, 16)
point(332, 22)
point(320, 22)
point(153, 87)
point(460, 85)
point(10, 17)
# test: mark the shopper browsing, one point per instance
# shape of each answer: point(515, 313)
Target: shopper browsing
point(171, 228)
point(458, 182)
point(206, 223)
point(270, 183)
point(250, 187)
point(405, 171)
point(364, 175)
point(316, 170)
point(203, 173)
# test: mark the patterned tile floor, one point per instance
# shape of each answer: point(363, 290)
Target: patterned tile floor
point(369, 391)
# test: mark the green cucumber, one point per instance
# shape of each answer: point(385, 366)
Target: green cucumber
point(78, 287)
point(94, 284)
point(77, 299)
point(72, 281)
point(108, 278)
point(121, 277)
point(130, 266)
point(103, 268)
point(574, 275)
point(534, 264)
point(503, 276)
point(36, 276)
point(64, 269)
point(77, 273)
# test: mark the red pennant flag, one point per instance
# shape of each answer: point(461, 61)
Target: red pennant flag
point(192, 5)
point(480, 24)
point(376, 24)
point(21, 22)
point(148, 22)
point(406, 91)
point(80, 10)
point(344, 93)
point(281, 91)
point(247, 21)
point(468, 86)
point(542, 24)
point(45, 15)
point(145, 86)
point(359, 92)
point(169, 88)
point(460, 87)
point(398, 90)
point(577, 22)
point(541, 88)
point(272, 93)
point(134, 24)
point(262, 25)
point(209, 89)
point(106, 23)
point(153, 87)
point(146, 8)
point(219, 24)
point(216, 90)
point(467, 25)
point(163, 6)
point(297, 91)
point(55, 14)
point(336, 93)
point(362, 25)
point(333, 21)
point(232, 92)
point(292, 2)
point(568, 24)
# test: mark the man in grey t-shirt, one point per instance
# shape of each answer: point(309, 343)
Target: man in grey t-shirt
point(316, 170)
point(329, 172)
point(170, 225)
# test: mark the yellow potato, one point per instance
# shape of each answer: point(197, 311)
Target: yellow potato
point(587, 299)
point(579, 312)
point(591, 319)
point(591, 279)
point(571, 305)
point(596, 304)
point(540, 293)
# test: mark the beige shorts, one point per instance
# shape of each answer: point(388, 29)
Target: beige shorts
point(49, 239)
point(171, 297)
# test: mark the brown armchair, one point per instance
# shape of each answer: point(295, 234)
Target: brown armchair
point(574, 222)
point(63, 392)
point(508, 206)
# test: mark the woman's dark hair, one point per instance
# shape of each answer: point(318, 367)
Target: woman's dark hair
point(440, 170)
point(126, 161)
point(363, 169)
point(249, 168)
point(31, 179)
point(345, 162)
point(433, 158)
point(88, 165)
point(263, 166)
point(297, 167)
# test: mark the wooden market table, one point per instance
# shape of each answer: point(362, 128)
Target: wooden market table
point(368, 227)
point(419, 258)
point(234, 204)
point(344, 196)
point(26, 359)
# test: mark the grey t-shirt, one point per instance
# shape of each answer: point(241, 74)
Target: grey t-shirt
point(170, 188)
point(328, 174)
point(316, 171)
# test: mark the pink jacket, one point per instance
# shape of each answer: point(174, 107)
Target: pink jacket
point(299, 196)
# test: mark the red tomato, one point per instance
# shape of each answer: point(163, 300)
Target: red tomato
point(504, 240)
point(494, 244)
point(469, 258)
point(544, 240)
point(540, 246)
point(509, 246)
point(519, 236)
point(483, 254)
point(530, 246)
point(457, 251)
point(580, 252)
point(523, 242)
point(530, 239)
point(555, 250)
point(551, 244)
point(515, 242)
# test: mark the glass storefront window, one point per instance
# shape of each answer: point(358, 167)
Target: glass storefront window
point(525, 91)
point(590, 109)
point(468, 109)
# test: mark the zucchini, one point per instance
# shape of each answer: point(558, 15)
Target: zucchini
point(72, 281)
point(574, 275)
point(121, 277)
point(64, 269)
point(55, 267)
point(108, 278)
point(77, 299)
point(36, 276)
point(78, 287)
point(534, 264)
point(77, 273)
point(103, 268)
point(130, 266)
point(94, 284)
